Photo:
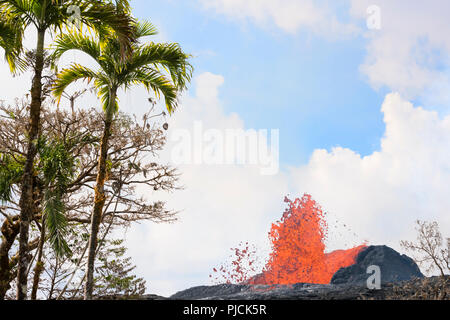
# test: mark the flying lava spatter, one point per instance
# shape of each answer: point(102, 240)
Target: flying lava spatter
point(298, 250)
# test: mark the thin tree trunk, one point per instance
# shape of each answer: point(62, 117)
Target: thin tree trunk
point(10, 230)
point(99, 199)
point(39, 268)
point(26, 197)
point(53, 279)
point(85, 249)
point(61, 294)
point(96, 251)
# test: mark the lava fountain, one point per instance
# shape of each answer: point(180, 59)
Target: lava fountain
point(298, 250)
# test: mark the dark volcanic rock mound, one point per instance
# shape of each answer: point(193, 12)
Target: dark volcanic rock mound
point(394, 267)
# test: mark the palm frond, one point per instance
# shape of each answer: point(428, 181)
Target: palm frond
point(11, 36)
point(56, 170)
point(161, 68)
point(154, 81)
point(109, 21)
point(24, 10)
point(145, 29)
point(167, 56)
point(77, 41)
point(68, 76)
point(56, 222)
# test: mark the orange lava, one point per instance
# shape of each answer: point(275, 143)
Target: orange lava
point(298, 250)
point(242, 266)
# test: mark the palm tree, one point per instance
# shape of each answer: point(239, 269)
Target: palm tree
point(162, 68)
point(49, 16)
point(10, 39)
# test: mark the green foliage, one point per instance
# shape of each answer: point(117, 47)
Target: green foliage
point(56, 222)
point(57, 164)
point(11, 41)
point(161, 68)
point(11, 173)
point(107, 18)
point(145, 29)
point(57, 169)
point(115, 272)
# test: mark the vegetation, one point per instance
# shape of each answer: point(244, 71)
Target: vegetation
point(132, 162)
point(68, 179)
point(48, 16)
point(143, 66)
point(433, 288)
point(114, 273)
point(431, 251)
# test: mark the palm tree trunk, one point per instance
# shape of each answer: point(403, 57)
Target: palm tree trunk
point(26, 197)
point(99, 199)
point(39, 263)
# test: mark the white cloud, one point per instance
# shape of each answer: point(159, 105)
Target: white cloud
point(378, 196)
point(287, 15)
point(381, 195)
point(410, 53)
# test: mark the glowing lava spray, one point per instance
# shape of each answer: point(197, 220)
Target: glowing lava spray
point(298, 250)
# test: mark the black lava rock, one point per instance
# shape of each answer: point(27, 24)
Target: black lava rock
point(394, 267)
point(416, 289)
point(203, 292)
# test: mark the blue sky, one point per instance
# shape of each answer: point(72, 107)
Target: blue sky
point(308, 87)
